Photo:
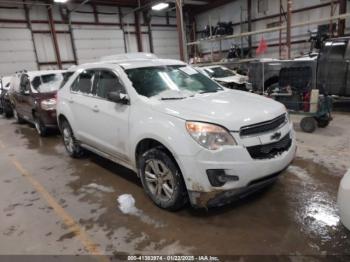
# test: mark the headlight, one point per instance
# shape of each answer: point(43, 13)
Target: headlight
point(48, 104)
point(210, 136)
point(287, 115)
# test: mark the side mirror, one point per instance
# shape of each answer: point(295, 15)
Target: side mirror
point(118, 97)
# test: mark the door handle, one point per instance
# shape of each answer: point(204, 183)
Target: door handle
point(70, 100)
point(96, 109)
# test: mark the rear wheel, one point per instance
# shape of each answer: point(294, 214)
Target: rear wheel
point(162, 180)
point(72, 146)
point(40, 126)
point(323, 122)
point(308, 124)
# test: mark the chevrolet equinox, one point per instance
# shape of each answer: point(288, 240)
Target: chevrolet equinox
point(187, 137)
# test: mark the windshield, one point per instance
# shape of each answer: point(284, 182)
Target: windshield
point(219, 72)
point(47, 83)
point(170, 82)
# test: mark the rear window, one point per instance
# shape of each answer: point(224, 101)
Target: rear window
point(47, 83)
point(66, 77)
point(219, 72)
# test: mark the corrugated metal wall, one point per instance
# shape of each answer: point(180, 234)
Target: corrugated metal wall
point(92, 40)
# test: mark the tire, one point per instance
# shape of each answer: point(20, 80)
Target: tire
point(308, 124)
point(162, 180)
point(8, 114)
point(72, 146)
point(18, 117)
point(323, 123)
point(40, 127)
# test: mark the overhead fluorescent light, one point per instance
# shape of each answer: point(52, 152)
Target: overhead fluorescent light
point(160, 6)
point(60, 1)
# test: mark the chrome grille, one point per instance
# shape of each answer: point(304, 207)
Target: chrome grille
point(270, 150)
point(263, 127)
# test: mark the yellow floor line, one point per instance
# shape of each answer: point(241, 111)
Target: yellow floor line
point(72, 225)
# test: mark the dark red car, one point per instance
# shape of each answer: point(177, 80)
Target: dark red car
point(33, 98)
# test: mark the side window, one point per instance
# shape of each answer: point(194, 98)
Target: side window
point(84, 82)
point(338, 50)
point(108, 82)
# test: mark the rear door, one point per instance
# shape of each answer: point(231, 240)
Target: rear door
point(80, 102)
point(111, 120)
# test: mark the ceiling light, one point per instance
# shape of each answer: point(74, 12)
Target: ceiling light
point(160, 6)
point(60, 1)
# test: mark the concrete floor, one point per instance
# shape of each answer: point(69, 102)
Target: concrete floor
point(52, 204)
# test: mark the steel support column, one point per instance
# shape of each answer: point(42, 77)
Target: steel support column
point(138, 32)
point(29, 24)
point(121, 22)
point(54, 37)
point(342, 22)
point(180, 28)
point(289, 23)
point(147, 18)
point(249, 7)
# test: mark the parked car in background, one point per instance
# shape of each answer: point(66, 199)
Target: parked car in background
point(33, 98)
point(226, 77)
point(5, 105)
point(186, 136)
point(344, 199)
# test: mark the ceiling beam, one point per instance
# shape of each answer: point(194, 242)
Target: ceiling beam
point(210, 5)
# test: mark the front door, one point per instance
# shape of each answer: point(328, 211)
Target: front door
point(23, 97)
point(110, 120)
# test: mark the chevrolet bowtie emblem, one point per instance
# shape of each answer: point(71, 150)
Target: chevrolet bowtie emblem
point(276, 136)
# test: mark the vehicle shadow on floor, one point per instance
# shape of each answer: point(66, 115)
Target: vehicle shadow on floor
point(131, 176)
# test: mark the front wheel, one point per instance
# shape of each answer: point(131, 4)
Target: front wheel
point(71, 145)
point(17, 117)
point(308, 124)
point(162, 180)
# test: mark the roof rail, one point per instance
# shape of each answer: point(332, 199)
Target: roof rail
point(129, 56)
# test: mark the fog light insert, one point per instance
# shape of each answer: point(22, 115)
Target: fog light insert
point(218, 177)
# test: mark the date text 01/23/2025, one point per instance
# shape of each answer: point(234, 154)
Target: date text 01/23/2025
point(173, 258)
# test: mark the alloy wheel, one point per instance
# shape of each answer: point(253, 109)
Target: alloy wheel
point(37, 126)
point(159, 180)
point(68, 140)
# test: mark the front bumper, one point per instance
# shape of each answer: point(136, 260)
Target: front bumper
point(344, 199)
point(253, 174)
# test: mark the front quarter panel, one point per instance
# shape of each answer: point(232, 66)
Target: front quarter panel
point(146, 123)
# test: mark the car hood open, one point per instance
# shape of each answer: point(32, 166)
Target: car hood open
point(230, 108)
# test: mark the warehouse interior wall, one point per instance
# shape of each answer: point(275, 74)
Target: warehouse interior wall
point(26, 46)
point(261, 20)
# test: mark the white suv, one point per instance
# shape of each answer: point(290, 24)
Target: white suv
point(187, 137)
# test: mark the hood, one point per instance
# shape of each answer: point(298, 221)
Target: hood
point(230, 108)
point(230, 79)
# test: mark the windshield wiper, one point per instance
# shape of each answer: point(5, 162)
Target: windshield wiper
point(211, 91)
point(172, 98)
